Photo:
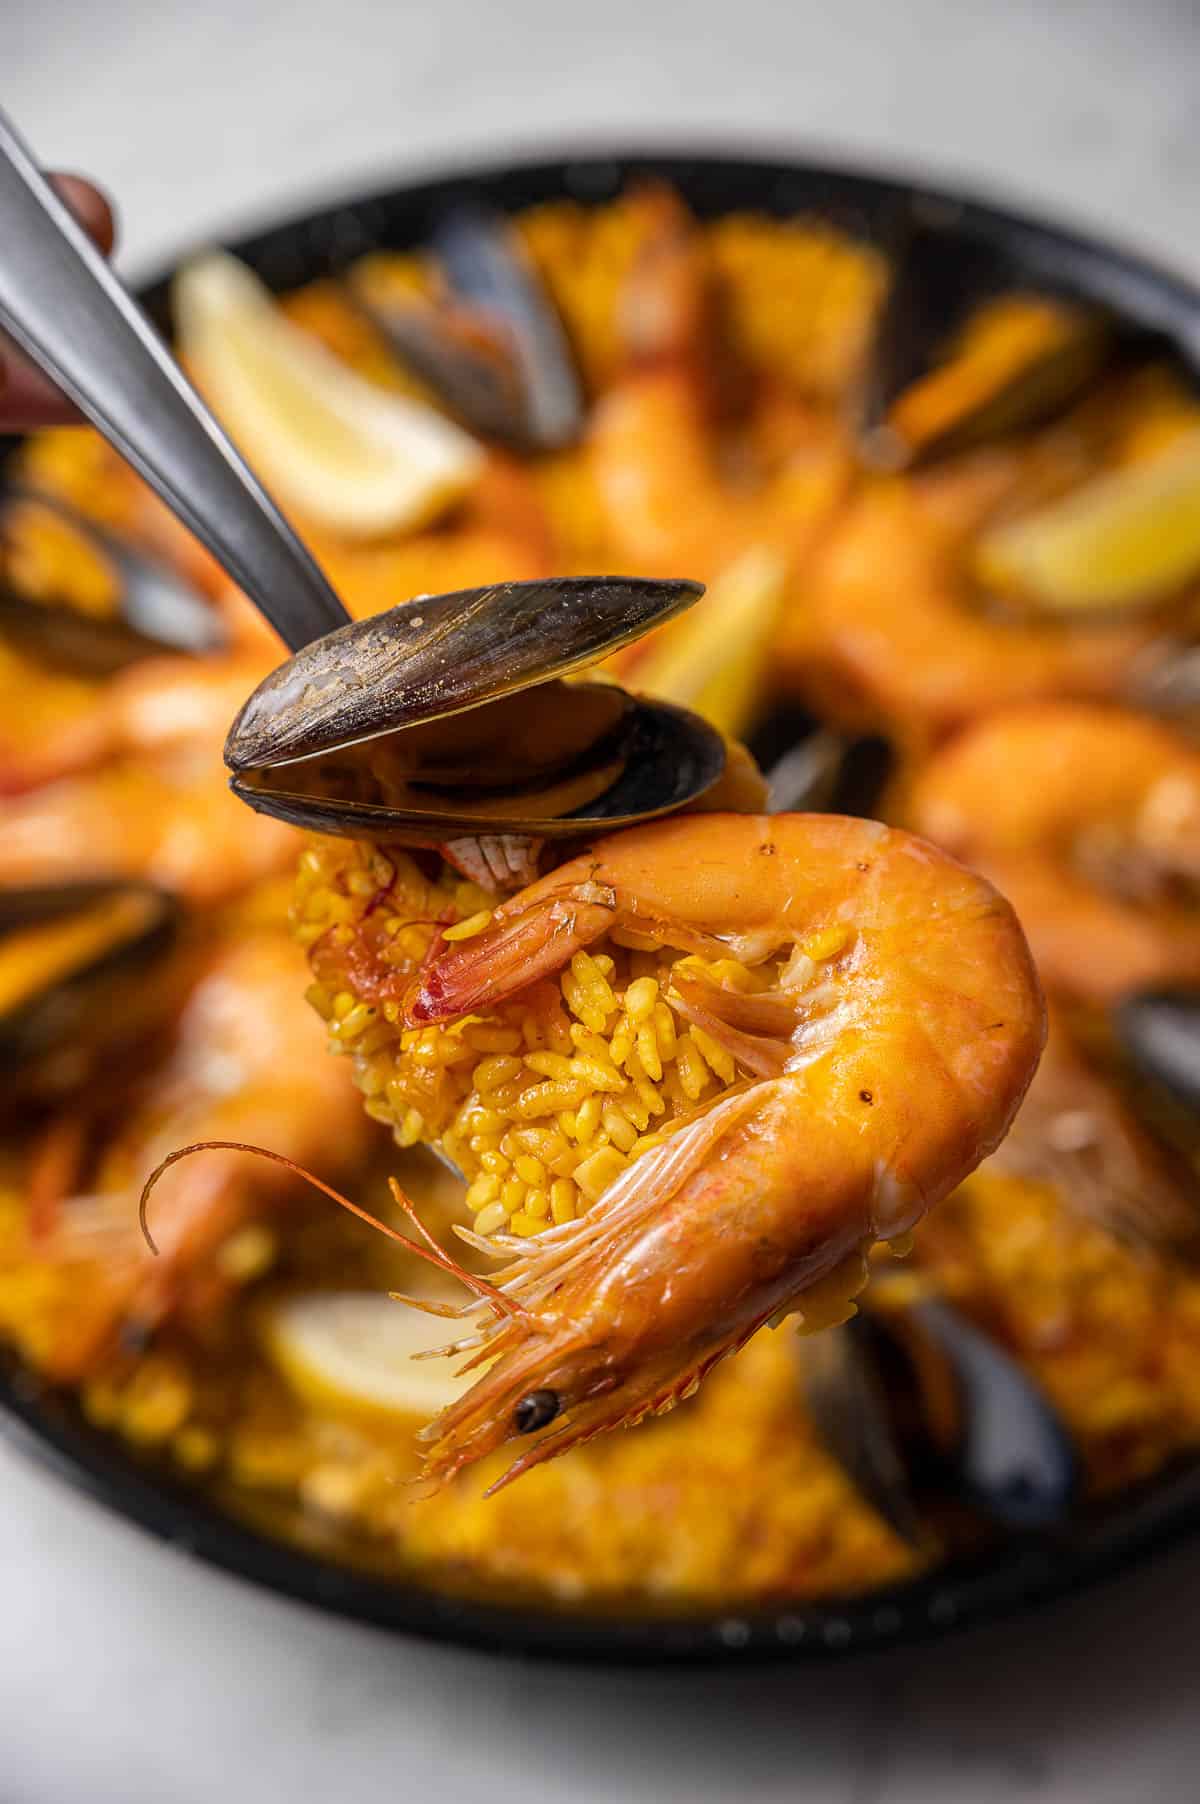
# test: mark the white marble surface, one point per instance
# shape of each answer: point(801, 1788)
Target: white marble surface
point(128, 1675)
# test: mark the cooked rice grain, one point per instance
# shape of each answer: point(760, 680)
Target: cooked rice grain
point(544, 1101)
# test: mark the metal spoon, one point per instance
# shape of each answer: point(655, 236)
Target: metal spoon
point(68, 312)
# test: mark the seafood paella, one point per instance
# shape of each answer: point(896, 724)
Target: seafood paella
point(935, 508)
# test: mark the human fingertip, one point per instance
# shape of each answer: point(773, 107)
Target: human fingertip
point(91, 207)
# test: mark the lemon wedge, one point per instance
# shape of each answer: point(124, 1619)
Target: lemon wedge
point(351, 1352)
point(347, 455)
point(1128, 539)
point(714, 658)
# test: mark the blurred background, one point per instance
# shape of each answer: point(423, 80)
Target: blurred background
point(128, 1675)
point(199, 117)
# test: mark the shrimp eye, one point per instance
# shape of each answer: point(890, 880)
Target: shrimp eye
point(535, 1410)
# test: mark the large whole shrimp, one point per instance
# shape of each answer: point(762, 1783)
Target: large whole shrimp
point(140, 790)
point(655, 446)
point(863, 1099)
point(243, 1066)
point(1088, 818)
point(890, 631)
point(172, 826)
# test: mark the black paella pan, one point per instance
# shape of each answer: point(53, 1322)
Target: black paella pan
point(1103, 1537)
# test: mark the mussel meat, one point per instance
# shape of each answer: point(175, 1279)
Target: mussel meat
point(647, 758)
point(492, 346)
point(68, 954)
point(80, 597)
point(449, 717)
point(934, 1422)
point(968, 345)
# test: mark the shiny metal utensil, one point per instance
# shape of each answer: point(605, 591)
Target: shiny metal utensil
point(66, 309)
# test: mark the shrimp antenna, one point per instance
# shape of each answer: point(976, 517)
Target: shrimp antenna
point(430, 1252)
point(445, 1262)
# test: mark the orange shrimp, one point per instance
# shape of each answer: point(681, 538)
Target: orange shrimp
point(889, 633)
point(63, 724)
point(1088, 818)
point(246, 1065)
point(173, 822)
point(865, 1096)
point(655, 452)
point(50, 721)
point(667, 505)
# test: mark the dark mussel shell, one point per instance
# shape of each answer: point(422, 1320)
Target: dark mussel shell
point(1166, 679)
point(849, 1400)
point(154, 610)
point(928, 1415)
point(495, 351)
point(654, 760)
point(1114, 1158)
point(1160, 1030)
point(809, 766)
point(941, 274)
point(439, 655)
point(471, 371)
point(57, 1023)
point(486, 267)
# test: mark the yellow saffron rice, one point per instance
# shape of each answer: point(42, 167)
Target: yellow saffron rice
point(547, 1098)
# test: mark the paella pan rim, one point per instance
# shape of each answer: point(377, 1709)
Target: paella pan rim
point(50, 1428)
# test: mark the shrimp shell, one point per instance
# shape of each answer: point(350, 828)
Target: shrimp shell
point(871, 1098)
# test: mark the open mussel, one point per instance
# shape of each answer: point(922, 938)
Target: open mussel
point(1109, 1148)
point(1160, 1030)
point(625, 760)
point(490, 344)
point(939, 1428)
point(968, 346)
point(1166, 680)
point(80, 981)
point(810, 767)
point(80, 597)
point(450, 717)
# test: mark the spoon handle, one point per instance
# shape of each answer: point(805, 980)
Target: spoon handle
point(63, 305)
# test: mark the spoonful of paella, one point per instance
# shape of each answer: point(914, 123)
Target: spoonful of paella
point(691, 1059)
